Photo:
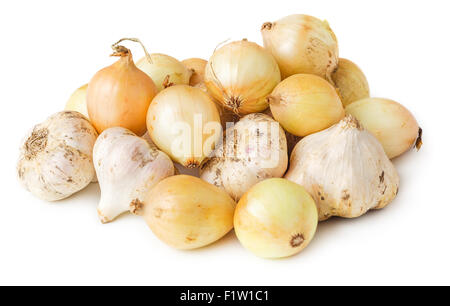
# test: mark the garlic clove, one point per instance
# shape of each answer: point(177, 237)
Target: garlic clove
point(56, 157)
point(127, 167)
point(345, 169)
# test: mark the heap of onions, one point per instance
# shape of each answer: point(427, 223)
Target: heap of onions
point(164, 70)
point(391, 123)
point(240, 75)
point(119, 95)
point(184, 123)
point(305, 104)
point(197, 66)
point(302, 44)
point(77, 101)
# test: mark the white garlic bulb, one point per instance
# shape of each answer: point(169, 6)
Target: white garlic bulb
point(127, 168)
point(255, 149)
point(56, 157)
point(345, 169)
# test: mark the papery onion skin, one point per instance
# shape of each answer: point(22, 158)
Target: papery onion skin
point(177, 105)
point(302, 44)
point(77, 101)
point(305, 104)
point(276, 218)
point(351, 82)
point(119, 95)
point(188, 213)
point(390, 122)
point(164, 70)
point(197, 66)
point(240, 75)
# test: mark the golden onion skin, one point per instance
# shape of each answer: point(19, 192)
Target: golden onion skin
point(186, 213)
point(390, 122)
point(197, 66)
point(276, 218)
point(305, 104)
point(77, 101)
point(119, 96)
point(240, 75)
point(302, 44)
point(351, 82)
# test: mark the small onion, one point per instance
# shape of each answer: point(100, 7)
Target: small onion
point(164, 70)
point(390, 122)
point(77, 101)
point(302, 44)
point(187, 213)
point(276, 218)
point(305, 104)
point(351, 82)
point(119, 95)
point(180, 122)
point(197, 66)
point(240, 75)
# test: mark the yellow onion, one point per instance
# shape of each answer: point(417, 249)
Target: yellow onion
point(197, 66)
point(119, 95)
point(350, 81)
point(187, 213)
point(302, 44)
point(77, 101)
point(164, 70)
point(240, 75)
point(276, 218)
point(305, 104)
point(184, 123)
point(390, 122)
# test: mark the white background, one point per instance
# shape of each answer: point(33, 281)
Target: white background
point(49, 48)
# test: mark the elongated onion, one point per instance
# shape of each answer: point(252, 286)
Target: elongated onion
point(302, 44)
point(391, 123)
point(276, 218)
point(164, 70)
point(77, 101)
point(184, 123)
point(119, 95)
point(197, 66)
point(187, 213)
point(240, 75)
point(305, 104)
point(351, 82)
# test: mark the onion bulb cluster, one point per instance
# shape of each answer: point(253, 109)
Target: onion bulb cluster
point(164, 70)
point(302, 44)
point(184, 123)
point(240, 75)
point(391, 123)
point(305, 104)
point(119, 95)
point(276, 218)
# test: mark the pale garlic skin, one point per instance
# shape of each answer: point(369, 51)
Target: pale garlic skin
point(235, 167)
point(56, 156)
point(345, 169)
point(127, 168)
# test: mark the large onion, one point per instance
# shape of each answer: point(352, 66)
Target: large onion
point(302, 44)
point(187, 213)
point(391, 123)
point(305, 104)
point(351, 82)
point(276, 218)
point(184, 123)
point(119, 95)
point(240, 75)
point(197, 66)
point(164, 70)
point(77, 101)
